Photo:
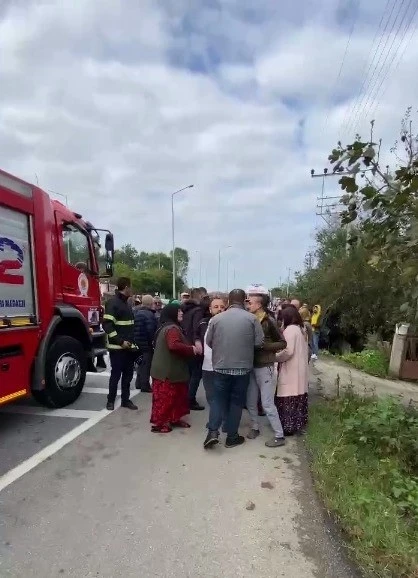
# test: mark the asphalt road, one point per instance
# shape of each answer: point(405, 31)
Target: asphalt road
point(26, 428)
point(119, 501)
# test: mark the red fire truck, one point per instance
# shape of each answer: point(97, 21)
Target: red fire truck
point(50, 303)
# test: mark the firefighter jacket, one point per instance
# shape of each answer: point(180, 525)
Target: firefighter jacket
point(118, 321)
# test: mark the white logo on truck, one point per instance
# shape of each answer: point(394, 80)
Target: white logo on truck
point(83, 284)
point(16, 273)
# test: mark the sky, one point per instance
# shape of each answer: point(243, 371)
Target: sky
point(116, 104)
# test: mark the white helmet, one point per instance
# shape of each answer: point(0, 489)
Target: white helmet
point(256, 289)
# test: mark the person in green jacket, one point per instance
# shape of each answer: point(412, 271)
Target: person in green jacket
point(170, 372)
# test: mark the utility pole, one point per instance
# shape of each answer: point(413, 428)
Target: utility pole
point(327, 206)
point(288, 284)
point(334, 208)
point(326, 209)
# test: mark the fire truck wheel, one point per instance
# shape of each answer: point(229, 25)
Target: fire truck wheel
point(65, 373)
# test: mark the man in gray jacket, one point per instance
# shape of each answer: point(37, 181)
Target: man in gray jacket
point(233, 336)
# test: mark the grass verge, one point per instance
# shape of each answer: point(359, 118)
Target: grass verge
point(365, 466)
point(370, 361)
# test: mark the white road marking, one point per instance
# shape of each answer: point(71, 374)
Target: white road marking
point(62, 412)
point(31, 463)
point(105, 373)
point(101, 390)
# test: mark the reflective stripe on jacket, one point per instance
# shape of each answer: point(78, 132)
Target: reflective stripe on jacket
point(118, 321)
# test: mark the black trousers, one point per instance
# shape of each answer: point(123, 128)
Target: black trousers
point(144, 370)
point(122, 368)
point(195, 368)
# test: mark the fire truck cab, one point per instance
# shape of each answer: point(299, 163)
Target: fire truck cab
point(50, 301)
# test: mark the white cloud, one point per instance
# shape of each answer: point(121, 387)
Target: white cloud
point(116, 104)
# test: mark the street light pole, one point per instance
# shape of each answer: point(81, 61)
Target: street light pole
point(172, 236)
point(219, 266)
point(219, 270)
point(227, 275)
point(200, 269)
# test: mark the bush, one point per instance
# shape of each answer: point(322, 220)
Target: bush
point(372, 361)
point(365, 464)
point(385, 426)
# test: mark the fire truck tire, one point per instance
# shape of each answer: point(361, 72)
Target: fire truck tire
point(65, 373)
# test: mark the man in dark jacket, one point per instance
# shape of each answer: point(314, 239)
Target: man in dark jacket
point(118, 323)
point(194, 310)
point(145, 326)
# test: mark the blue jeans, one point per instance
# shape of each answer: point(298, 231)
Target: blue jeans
point(208, 378)
point(315, 342)
point(229, 398)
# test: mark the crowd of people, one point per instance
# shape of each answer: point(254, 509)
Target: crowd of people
point(248, 352)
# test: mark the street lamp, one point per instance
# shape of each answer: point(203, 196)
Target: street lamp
point(219, 265)
point(227, 275)
point(200, 266)
point(172, 235)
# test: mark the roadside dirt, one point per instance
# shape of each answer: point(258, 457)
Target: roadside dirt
point(328, 375)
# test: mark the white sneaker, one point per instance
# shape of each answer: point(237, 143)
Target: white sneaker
point(314, 357)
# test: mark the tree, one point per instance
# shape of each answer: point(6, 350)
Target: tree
point(181, 259)
point(149, 272)
point(154, 261)
point(127, 255)
point(385, 207)
point(357, 299)
point(284, 290)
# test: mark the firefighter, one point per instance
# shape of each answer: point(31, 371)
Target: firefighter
point(118, 323)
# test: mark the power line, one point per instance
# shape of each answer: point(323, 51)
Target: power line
point(372, 99)
point(356, 117)
point(375, 104)
point(402, 54)
point(352, 108)
point(353, 24)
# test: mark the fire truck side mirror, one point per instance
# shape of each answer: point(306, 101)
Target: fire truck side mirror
point(110, 250)
point(109, 244)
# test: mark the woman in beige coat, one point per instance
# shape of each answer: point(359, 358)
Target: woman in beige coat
point(292, 392)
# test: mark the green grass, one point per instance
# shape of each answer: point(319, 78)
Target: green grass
point(364, 461)
point(370, 361)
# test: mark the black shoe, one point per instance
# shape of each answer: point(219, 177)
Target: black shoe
point(211, 440)
point(110, 406)
point(231, 442)
point(146, 390)
point(195, 406)
point(129, 405)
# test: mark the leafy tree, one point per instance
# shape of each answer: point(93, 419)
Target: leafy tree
point(357, 298)
point(127, 255)
point(154, 261)
point(284, 290)
point(149, 272)
point(181, 259)
point(385, 208)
